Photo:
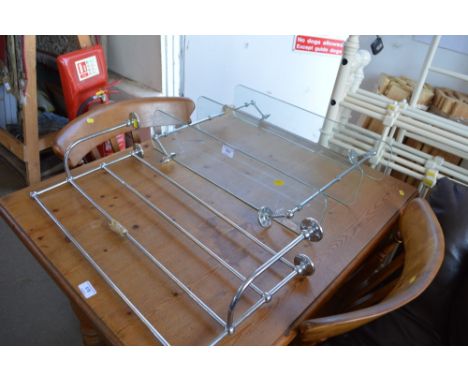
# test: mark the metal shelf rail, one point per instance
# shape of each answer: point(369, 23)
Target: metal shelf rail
point(303, 266)
point(309, 228)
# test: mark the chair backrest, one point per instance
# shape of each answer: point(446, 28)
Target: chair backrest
point(423, 242)
point(106, 116)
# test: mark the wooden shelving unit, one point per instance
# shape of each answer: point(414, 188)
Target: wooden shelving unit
point(29, 150)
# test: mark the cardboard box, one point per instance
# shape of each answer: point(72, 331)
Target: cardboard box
point(451, 104)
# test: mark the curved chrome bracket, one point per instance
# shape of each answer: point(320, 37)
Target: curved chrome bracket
point(133, 120)
point(310, 230)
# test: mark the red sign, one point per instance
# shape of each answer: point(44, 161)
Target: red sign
point(318, 45)
point(87, 68)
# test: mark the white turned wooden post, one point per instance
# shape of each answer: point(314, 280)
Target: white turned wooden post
point(425, 70)
point(340, 89)
point(361, 59)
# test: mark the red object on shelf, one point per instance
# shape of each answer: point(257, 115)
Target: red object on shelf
point(83, 74)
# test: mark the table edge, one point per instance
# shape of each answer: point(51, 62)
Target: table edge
point(66, 288)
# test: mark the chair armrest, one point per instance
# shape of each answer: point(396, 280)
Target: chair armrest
point(319, 329)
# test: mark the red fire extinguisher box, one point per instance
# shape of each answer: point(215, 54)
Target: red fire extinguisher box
point(82, 73)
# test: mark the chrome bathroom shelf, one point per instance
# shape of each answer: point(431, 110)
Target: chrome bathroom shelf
point(260, 182)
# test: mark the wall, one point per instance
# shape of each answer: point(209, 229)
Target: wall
point(136, 57)
point(214, 65)
point(403, 55)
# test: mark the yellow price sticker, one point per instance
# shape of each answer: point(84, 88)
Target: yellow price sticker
point(90, 120)
point(278, 182)
point(402, 193)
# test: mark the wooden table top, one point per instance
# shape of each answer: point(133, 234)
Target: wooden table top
point(350, 233)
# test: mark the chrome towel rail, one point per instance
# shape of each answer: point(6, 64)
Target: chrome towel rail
point(303, 266)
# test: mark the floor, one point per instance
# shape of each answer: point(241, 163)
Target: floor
point(33, 310)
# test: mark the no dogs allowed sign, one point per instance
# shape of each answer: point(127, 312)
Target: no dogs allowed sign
point(318, 45)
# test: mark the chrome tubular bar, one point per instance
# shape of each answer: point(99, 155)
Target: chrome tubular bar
point(256, 306)
point(254, 275)
point(366, 156)
point(179, 227)
point(90, 171)
point(194, 125)
point(265, 214)
point(212, 209)
point(98, 269)
point(310, 230)
point(137, 244)
point(133, 120)
point(187, 167)
point(245, 202)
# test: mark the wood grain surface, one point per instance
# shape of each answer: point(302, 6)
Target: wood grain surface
point(351, 230)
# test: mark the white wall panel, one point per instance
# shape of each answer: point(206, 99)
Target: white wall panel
point(214, 65)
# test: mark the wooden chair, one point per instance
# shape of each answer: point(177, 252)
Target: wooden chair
point(105, 116)
point(420, 260)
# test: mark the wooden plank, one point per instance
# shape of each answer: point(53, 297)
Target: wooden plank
point(29, 152)
point(84, 41)
point(11, 143)
point(30, 118)
point(47, 141)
